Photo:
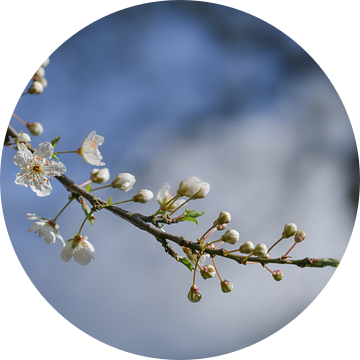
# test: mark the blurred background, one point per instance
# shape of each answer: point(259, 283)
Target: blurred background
point(180, 89)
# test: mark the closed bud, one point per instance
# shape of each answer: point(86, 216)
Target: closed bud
point(207, 272)
point(231, 237)
point(40, 72)
point(221, 227)
point(260, 250)
point(124, 181)
point(300, 236)
point(226, 286)
point(35, 128)
point(194, 294)
point(43, 82)
point(247, 247)
point(224, 218)
point(36, 88)
point(46, 62)
point(143, 196)
point(23, 137)
point(289, 230)
point(190, 186)
point(278, 275)
point(100, 176)
point(204, 190)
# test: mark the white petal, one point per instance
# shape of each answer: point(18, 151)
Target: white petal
point(57, 169)
point(42, 190)
point(83, 255)
point(22, 179)
point(66, 252)
point(44, 150)
point(37, 225)
point(34, 217)
point(21, 158)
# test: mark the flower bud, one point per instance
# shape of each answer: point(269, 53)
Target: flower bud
point(260, 250)
point(190, 186)
point(23, 137)
point(226, 286)
point(100, 175)
point(36, 88)
point(124, 181)
point(40, 72)
point(224, 218)
point(207, 272)
point(35, 128)
point(221, 227)
point(46, 62)
point(278, 275)
point(300, 236)
point(194, 294)
point(289, 230)
point(204, 190)
point(231, 236)
point(143, 196)
point(247, 247)
point(43, 82)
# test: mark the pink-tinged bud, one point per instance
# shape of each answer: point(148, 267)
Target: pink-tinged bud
point(194, 294)
point(278, 275)
point(289, 230)
point(207, 272)
point(226, 286)
point(260, 250)
point(35, 128)
point(231, 237)
point(221, 227)
point(247, 247)
point(300, 236)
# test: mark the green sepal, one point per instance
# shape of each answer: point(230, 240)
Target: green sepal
point(54, 156)
point(88, 187)
point(109, 201)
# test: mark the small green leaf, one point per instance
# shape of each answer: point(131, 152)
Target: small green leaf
point(191, 219)
point(326, 262)
point(186, 262)
point(54, 156)
point(109, 201)
point(88, 187)
point(192, 213)
point(54, 141)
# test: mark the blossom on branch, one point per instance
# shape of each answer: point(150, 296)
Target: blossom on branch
point(79, 248)
point(45, 227)
point(89, 149)
point(143, 196)
point(100, 175)
point(124, 181)
point(190, 186)
point(34, 168)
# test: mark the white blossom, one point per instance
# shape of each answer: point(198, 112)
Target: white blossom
point(100, 175)
point(190, 186)
point(45, 227)
point(23, 137)
point(89, 149)
point(79, 248)
point(143, 196)
point(164, 195)
point(204, 190)
point(231, 236)
point(124, 181)
point(36, 167)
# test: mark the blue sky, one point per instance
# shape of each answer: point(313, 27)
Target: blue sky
point(177, 90)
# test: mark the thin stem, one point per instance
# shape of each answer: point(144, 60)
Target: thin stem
point(167, 204)
point(67, 152)
point(219, 244)
point(121, 202)
point(290, 249)
point(212, 229)
point(180, 206)
point(267, 269)
point(101, 187)
point(83, 223)
point(213, 261)
point(63, 209)
point(17, 118)
point(275, 244)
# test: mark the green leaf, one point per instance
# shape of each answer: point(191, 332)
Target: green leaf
point(191, 219)
point(186, 262)
point(109, 201)
point(88, 187)
point(54, 156)
point(54, 141)
point(192, 213)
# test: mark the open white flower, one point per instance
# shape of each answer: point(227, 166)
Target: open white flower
point(79, 248)
point(34, 168)
point(45, 227)
point(89, 149)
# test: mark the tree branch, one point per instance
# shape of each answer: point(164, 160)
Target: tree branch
point(146, 223)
